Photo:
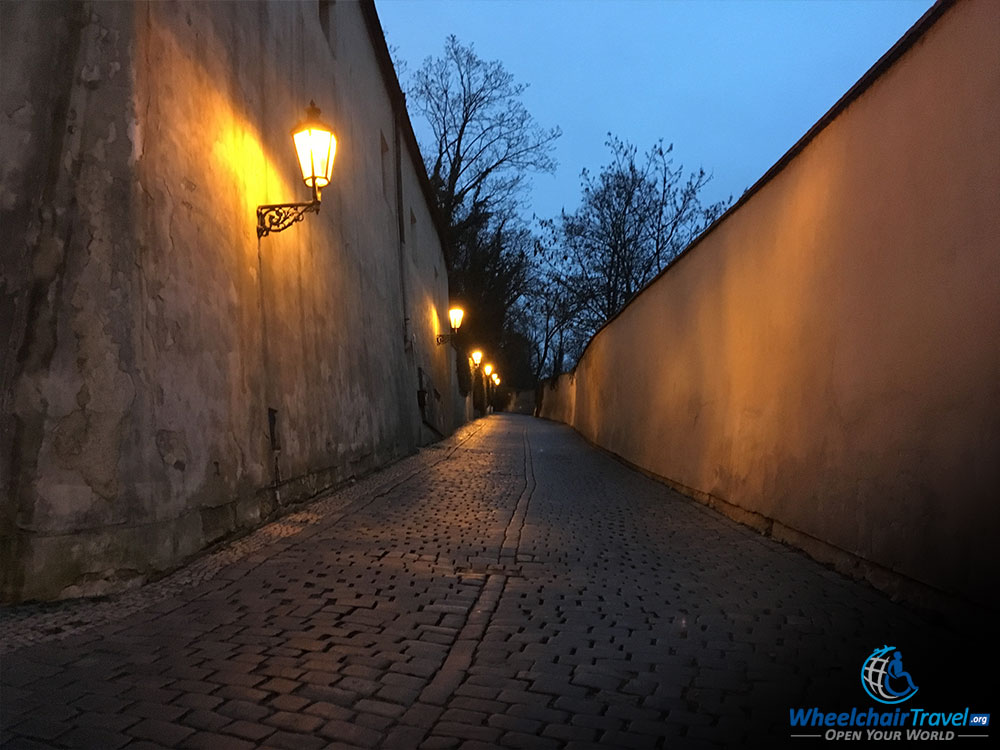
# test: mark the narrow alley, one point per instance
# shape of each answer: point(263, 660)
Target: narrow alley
point(510, 586)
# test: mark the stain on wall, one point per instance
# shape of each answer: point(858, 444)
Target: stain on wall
point(823, 363)
point(170, 378)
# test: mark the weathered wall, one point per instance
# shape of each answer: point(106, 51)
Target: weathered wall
point(523, 402)
point(824, 363)
point(152, 333)
point(426, 318)
point(462, 405)
point(559, 398)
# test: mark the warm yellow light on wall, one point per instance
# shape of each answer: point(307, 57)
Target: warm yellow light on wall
point(315, 147)
point(477, 357)
point(487, 369)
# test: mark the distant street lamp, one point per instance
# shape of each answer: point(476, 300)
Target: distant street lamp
point(455, 316)
point(490, 382)
point(477, 357)
point(315, 146)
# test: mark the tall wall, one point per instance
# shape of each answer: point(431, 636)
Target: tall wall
point(825, 362)
point(170, 378)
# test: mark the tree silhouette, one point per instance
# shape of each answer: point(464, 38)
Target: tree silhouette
point(485, 144)
point(485, 141)
point(635, 216)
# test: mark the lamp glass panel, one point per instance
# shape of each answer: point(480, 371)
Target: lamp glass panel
point(455, 314)
point(316, 149)
point(477, 357)
point(488, 369)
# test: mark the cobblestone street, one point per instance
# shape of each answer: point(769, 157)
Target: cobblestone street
point(510, 586)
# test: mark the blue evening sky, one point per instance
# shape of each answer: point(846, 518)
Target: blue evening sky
point(733, 84)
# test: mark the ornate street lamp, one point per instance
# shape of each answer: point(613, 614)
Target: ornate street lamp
point(487, 369)
point(496, 378)
point(315, 146)
point(455, 316)
point(477, 357)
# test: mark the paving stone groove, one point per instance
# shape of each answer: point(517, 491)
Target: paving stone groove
point(509, 587)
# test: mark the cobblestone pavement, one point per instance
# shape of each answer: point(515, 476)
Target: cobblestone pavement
point(508, 587)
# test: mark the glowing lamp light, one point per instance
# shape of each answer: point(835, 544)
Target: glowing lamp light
point(477, 357)
point(496, 379)
point(487, 369)
point(316, 147)
point(455, 316)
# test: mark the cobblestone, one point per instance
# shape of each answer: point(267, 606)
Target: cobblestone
point(508, 587)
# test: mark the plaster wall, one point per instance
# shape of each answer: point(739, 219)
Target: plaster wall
point(559, 398)
point(170, 378)
point(463, 405)
point(523, 402)
point(824, 363)
point(427, 316)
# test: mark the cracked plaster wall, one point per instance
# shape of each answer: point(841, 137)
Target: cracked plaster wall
point(150, 331)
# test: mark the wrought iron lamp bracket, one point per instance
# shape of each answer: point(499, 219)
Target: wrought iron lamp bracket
point(276, 217)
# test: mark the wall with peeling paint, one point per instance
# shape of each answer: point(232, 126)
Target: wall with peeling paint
point(151, 334)
point(824, 364)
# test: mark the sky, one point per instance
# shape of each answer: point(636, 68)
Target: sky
point(733, 84)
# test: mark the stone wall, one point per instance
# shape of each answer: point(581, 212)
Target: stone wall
point(522, 402)
point(170, 379)
point(823, 364)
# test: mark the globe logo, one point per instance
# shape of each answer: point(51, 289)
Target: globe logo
point(884, 678)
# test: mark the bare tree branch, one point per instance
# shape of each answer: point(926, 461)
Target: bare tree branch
point(634, 218)
point(485, 141)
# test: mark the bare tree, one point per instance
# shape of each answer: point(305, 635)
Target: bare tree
point(485, 141)
point(634, 217)
point(490, 270)
point(544, 313)
point(485, 144)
